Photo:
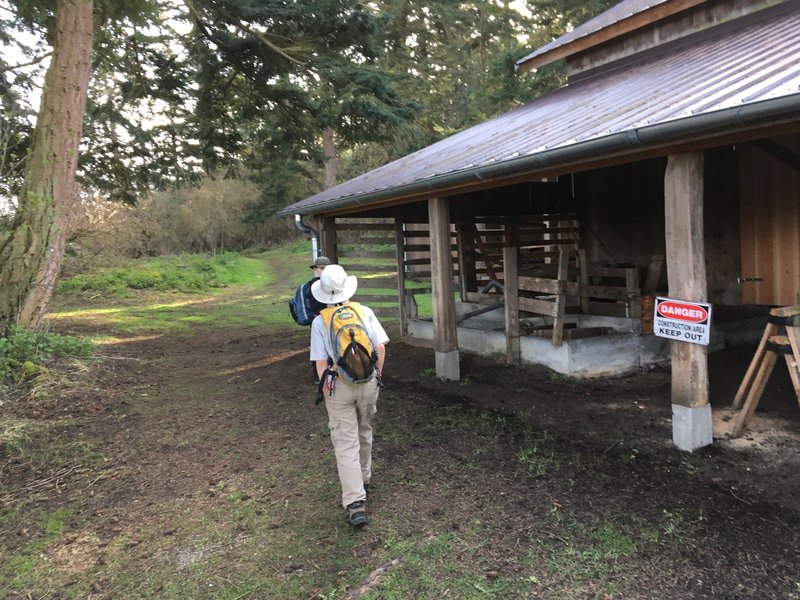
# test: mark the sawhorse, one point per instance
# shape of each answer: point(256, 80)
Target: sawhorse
point(771, 345)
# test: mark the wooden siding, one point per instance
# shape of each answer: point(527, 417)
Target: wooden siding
point(770, 231)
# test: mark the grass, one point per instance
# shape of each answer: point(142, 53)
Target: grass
point(183, 273)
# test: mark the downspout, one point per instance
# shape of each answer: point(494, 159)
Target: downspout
point(298, 221)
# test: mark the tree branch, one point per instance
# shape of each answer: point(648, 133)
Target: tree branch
point(37, 60)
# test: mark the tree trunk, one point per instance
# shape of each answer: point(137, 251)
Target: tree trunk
point(329, 150)
point(30, 258)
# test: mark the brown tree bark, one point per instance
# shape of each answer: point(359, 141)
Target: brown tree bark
point(31, 256)
point(331, 162)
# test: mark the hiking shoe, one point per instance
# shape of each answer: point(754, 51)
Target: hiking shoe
point(356, 513)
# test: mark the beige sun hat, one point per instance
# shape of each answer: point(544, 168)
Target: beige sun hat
point(334, 285)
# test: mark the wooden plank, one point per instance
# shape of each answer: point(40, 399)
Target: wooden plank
point(539, 307)
point(367, 254)
point(583, 280)
point(372, 240)
point(513, 355)
point(465, 248)
point(558, 322)
point(327, 237)
point(539, 284)
point(365, 226)
point(358, 268)
point(377, 282)
point(386, 312)
point(367, 298)
point(686, 269)
point(401, 275)
point(445, 335)
point(425, 247)
point(751, 402)
point(417, 261)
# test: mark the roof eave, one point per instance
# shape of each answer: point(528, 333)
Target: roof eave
point(740, 118)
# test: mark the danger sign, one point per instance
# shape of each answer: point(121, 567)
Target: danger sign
point(682, 321)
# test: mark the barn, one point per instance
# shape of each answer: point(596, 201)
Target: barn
point(667, 166)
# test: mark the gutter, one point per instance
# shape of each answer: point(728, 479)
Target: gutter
point(779, 110)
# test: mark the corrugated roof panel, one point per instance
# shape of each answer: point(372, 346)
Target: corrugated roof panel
point(759, 62)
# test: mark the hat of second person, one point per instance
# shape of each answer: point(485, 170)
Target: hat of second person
point(322, 261)
point(334, 285)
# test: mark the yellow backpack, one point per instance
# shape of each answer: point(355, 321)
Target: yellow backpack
point(355, 356)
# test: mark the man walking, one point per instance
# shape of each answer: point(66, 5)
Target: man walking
point(348, 347)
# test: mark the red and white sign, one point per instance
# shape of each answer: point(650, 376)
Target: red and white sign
point(682, 320)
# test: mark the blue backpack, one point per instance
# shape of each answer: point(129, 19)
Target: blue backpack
point(303, 306)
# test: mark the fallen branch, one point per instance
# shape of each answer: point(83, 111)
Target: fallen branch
point(372, 579)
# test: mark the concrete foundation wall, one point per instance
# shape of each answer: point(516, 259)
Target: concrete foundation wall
point(620, 352)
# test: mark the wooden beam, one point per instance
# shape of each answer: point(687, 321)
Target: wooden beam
point(465, 242)
point(510, 260)
point(561, 299)
point(445, 337)
point(686, 269)
point(401, 273)
point(326, 226)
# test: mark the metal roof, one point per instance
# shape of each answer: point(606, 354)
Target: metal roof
point(742, 79)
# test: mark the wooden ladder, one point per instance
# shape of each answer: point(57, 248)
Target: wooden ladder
point(771, 345)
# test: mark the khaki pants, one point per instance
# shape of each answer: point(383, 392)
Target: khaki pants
point(350, 413)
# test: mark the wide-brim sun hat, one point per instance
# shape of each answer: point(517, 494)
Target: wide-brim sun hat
point(334, 285)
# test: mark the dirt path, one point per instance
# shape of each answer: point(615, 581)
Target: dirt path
point(204, 470)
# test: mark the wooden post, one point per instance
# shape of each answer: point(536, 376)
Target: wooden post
point(399, 239)
point(445, 335)
point(326, 226)
point(465, 237)
point(511, 276)
point(561, 298)
point(686, 269)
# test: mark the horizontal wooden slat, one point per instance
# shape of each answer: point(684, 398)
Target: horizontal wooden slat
point(539, 307)
point(356, 268)
point(371, 240)
point(537, 231)
point(548, 286)
point(367, 298)
point(424, 247)
point(421, 234)
point(386, 312)
point(365, 227)
point(377, 282)
point(417, 261)
point(368, 254)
